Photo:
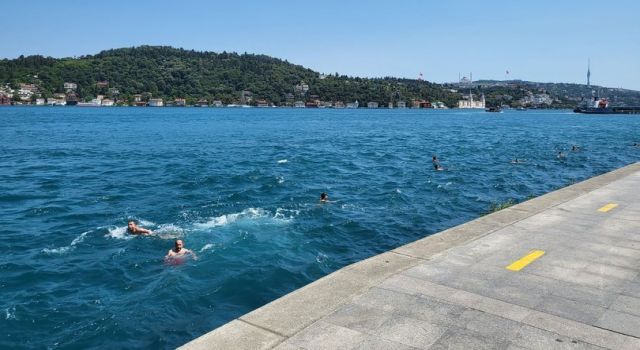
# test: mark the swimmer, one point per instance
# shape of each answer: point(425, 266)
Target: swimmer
point(324, 197)
point(133, 229)
point(560, 155)
point(517, 161)
point(434, 159)
point(179, 251)
point(437, 167)
point(575, 148)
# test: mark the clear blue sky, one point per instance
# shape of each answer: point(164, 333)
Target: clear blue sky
point(543, 40)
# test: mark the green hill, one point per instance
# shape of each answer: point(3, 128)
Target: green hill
point(170, 73)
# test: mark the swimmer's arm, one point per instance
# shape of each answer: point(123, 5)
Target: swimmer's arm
point(195, 257)
point(144, 231)
point(169, 254)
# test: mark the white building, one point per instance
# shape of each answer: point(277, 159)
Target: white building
point(401, 104)
point(372, 105)
point(107, 102)
point(470, 103)
point(156, 102)
point(70, 86)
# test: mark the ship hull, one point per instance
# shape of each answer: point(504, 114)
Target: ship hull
point(609, 110)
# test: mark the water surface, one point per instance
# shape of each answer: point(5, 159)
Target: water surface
point(241, 187)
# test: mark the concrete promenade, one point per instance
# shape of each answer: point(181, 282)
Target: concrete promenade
point(561, 271)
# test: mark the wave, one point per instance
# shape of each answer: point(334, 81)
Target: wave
point(118, 232)
point(62, 250)
point(283, 161)
point(10, 313)
point(251, 214)
point(169, 231)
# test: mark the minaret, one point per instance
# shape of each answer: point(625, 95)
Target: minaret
point(589, 72)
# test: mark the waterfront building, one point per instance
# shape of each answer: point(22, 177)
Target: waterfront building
point(180, 102)
point(469, 103)
point(421, 104)
point(353, 104)
point(338, 104)
point(107, 102)
point(102, 83)
point(202, 103)
point(372, 105)
point(70, 86)
point(298, 104)
point(401, 104)
point(4, 100)
point(216, 103)
point(40, 101)
point(390, 105)
point(156, 102)
point(137, 98)
point(262, 103)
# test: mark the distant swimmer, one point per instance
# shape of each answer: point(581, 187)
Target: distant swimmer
point(324, 197)
point(575, 148)
point(179, 252)
point(434, 159)
point(517, 161)
point(560, 155)
point(437, 167)
point(134, 229)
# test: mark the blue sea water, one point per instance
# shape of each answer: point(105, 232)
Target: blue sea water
point(241, 187)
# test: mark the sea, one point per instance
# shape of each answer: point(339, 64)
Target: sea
point(241, 187)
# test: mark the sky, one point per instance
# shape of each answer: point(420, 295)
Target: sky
point(545, 41)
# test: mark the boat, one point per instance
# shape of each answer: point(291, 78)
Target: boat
point(601, 106)
point(493, 109)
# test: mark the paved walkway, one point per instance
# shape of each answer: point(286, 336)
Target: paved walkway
point(561, 271)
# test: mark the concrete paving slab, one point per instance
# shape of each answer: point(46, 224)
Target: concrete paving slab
point(627, 304)
point(579, 331)
point(235, 335)
point(620, 322)
point(464, 339)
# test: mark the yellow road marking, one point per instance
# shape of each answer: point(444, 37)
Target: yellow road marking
point(607, 207)
point(525, 260)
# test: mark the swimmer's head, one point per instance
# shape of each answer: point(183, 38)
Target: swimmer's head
point(324, 196)
point(131, 224)
point(179, 245)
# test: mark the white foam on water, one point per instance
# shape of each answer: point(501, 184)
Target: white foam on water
point(208, 246)
point(321, 258)
point(118, 232)
point(280, 179)
point(251, 214)
point(283, 161)
point(10, 313)
point(169, 231)
point(146, 223)
point(62, 250)
point(285, 215)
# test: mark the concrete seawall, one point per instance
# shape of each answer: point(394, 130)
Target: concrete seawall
point(558, 271)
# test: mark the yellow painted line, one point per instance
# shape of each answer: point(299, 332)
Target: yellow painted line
point(607, 207)
point(525, 260)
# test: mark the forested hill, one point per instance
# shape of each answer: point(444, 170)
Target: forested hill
point(170, 73)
